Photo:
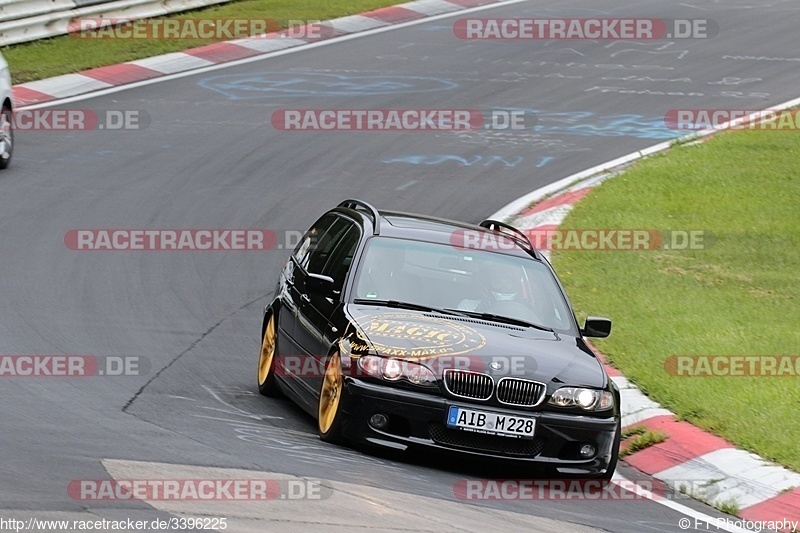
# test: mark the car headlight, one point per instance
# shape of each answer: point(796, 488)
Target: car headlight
point(586, 399)
point(396, 370)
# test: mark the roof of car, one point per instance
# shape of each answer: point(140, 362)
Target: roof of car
point(426, 228)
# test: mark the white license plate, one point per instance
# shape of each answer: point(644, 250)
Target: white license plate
point(493, 423)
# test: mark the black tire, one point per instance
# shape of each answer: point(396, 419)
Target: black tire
point(332, 399)
point(267, 384)
point(6, 136)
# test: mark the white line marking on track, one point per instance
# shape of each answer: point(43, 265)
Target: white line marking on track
point(675, 506)
point(406, 185)
point(234, 410)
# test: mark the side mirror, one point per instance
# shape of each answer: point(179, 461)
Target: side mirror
point(319, 284)
point(596, 326)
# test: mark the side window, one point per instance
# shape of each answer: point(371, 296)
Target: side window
point(317, 244)
point(326, 245)
point(342, 258)
point(303, 250)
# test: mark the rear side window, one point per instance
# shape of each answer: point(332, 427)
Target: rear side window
point(342, 257)
point(317, 244)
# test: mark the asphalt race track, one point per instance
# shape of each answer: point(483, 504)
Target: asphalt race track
point(209, 158)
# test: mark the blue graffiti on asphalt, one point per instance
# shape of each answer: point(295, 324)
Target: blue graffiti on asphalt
point(586, 123)
point(283, 84)
point(463, 161)
point(590, 124)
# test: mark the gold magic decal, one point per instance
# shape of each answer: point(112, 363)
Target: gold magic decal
point(411, 335)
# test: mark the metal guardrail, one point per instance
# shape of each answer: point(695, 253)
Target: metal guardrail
point(20, 9)
point(29, 20)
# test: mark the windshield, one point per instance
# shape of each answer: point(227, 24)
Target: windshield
point(446, 277)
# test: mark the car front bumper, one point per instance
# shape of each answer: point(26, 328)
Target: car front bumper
point(417, 420)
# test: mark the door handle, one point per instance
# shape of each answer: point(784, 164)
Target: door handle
point(305, 298)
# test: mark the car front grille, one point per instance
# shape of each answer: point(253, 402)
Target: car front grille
point(457, 438)
point(523, 392)
point(465, 384)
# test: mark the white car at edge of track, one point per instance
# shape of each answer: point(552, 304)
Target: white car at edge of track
point(6, 116)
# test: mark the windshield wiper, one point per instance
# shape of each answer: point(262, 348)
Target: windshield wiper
point(408, 305)
point(505, 319)
point(457, 312)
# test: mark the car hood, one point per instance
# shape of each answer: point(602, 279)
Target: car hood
point(441, 342)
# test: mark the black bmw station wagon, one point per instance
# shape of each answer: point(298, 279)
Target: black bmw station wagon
point(408, 331)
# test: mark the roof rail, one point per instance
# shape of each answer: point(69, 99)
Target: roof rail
point(512, 233)
point(354, 204)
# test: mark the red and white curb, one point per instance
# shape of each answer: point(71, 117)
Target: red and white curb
point(97, 79)
point(690, 456)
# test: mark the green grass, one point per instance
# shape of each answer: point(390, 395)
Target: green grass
point(702, 494)
point(738, 296)
point(635, 430)
point(730, 507)
point(642, 440)
point(65, 54)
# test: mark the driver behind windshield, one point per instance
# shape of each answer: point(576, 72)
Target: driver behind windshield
point(500, 282)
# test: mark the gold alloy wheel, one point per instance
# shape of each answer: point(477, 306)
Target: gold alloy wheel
point(330, 394)
point(267, 351)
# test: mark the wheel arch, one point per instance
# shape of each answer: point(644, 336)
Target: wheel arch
point(271, 309)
